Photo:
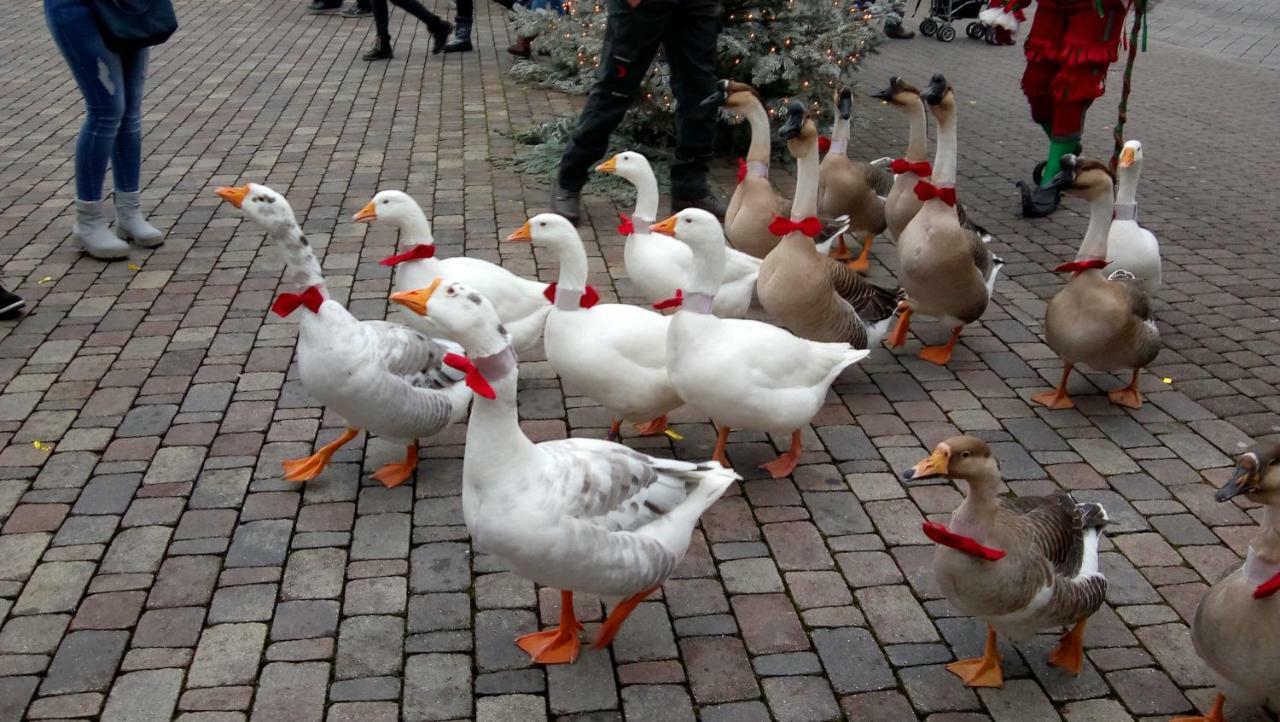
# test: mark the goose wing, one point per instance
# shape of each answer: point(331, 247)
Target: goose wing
point(1051, 525)
point(873, 303)
point(880, 180)
point(411, 355)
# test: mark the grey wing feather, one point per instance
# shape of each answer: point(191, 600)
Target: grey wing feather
point(969, 223)
point(413, 356)
point(873, 303)
point(880, 180)
point(982, 258)
point(1055, 526)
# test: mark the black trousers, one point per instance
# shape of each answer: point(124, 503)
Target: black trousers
point(687, 30)
point(382, 15)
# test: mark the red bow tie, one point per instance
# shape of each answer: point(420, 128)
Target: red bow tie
point(625, 226)
point(944, 536)
point(810, 226)
point(1267, 588)
point(901, 165)
point(673, 302)
point(824, 144)
point(1081, 266)
point(475, 379)
point(926, 190)
point(742, 169)
point(420, 251)
point(287, 303)
point(589, 296)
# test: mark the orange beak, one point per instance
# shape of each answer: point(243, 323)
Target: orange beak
point(523, 233)
point(935, 465)
point(416, 301)
point(609, 166)
point(368, 213)
point(235, 196)
point(667, 227)
point(1126, 157)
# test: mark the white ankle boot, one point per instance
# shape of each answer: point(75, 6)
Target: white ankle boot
point(132, 225)
point(90, 229)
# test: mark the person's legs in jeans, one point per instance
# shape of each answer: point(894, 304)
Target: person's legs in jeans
point(381, 20)
point(690, 43)
point(100, 75)
point(631, 40)
point(464, 18)
point(126, 158)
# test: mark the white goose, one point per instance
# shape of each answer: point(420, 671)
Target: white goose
point(381, 377)
point(522, 304)
point(745, 374)
point(614, 353)
point(1130, 247)
point(576, 514)
point(659, 265)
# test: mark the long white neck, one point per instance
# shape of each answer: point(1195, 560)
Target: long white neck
point(707, 272)
point(1127, 193)
point(301, 267)
point(840, 135)
point(573, 264)
point(415, 229)
point(917, 144)
point(494, 437)
point(758, 119)
point(977, 512)
point(805, 204)
point(1095, 236)
point(646, 198)
point(944, 162)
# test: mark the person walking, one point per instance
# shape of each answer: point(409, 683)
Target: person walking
point(463, 19)
point(111, 84)
point(436, 25)
point(687, 30)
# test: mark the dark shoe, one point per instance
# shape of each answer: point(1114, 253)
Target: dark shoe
point(567, 204)
point(1038, 202)
point(381, 51)
point(894, 30)
point(355, 11)
point(708, 203)
point(440, 37)
point(324, 6)
point(461, 41)
point(521, 48)
point(10, 303)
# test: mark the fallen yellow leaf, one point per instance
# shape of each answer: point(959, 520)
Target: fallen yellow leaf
point(41, 446)
point(1167, 380)
point(674, 436)
point(134, 267)
point(46, 279)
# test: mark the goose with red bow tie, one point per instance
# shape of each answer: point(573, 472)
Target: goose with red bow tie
point(945, 268)
point(1100, 319)
point(1236, 630)
point(811, 294)
point(1021, 564)
point(579, 515)
point(613, 353)
point(522, 304)
point(851, 187)
point(381, 377)
point(660, 265)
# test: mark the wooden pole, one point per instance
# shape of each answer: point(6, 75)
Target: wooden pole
point(1139, 14)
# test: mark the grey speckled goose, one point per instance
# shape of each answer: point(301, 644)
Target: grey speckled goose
point(1020, 564)
point(1237, 625)
point(1099, 320)
point(811, 294)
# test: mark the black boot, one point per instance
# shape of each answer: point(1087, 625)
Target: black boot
point(440, 37)
point(381, 51)
point(893, 29)
point(1038, 202)
point(461, 41)
point(567, 203)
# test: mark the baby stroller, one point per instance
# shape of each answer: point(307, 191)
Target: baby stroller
point(943, 12)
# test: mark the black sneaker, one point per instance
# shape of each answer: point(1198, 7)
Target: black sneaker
point(461, 41)
point(355, 11)
point(324, 6)
point(708, 203)
point(10, 303)
point(1038, 202)
point(440, 38)
point(567, 204)
point(380, 51)
point(894, 30)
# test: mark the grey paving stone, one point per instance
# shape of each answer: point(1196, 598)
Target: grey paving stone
point(381, 536)
point(440, 567)
point(1020, 699)
point(144, 696)
point(800, 699)
point(292, 691)
point(853, 660)
point(260, 544)
point(304, 619)
point(877, 707)
point(718, 670)
point(369, 646)
point(19, 554)
point(657, 703)
point(751, 576)
point(583, 686)
point(33, 635)
point(109, 494)
point(431, 612)
point(314, 574)
point(54, 587)
point(184, 581)
point(378, 595)
point(646, 635)
point(896, 615)
point(787, 664)
point(523, 707)
point(227, 654)
point(136, 550)
point(248, 603)
point(1148, 692)
point(769, 623)
point(437, 687)
point(495, 633)
point(179, 627)
point(365, 689)
point(934, 689)
point(526, 681)
point(736, 712)
point(86, 661)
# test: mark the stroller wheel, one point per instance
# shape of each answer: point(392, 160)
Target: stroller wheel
point(928, 27)
point(946, 33)
point(974, 30)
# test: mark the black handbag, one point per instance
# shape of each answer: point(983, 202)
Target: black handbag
point(134, 24)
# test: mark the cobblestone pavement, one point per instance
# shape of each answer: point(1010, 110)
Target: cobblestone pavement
point(153, 564)
point(1244, 30)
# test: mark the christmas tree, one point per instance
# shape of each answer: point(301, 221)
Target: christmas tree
point(787, 49)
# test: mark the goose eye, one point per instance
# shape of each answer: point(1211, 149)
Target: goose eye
point(1273, 462)
point(966, 454)
point(384, 201)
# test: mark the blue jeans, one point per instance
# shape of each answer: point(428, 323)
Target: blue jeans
point(112, 86)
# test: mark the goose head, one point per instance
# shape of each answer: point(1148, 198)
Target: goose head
point(799, 131)
point(900, 93)
point(732, 95)
point(395, 207)
point(462, 312)
point(940, 97)
point(702, 233)
point(844, 102)
point(547, 230)
point(261, 205)
point(960, 457)
point(629, 164)
point(1086, 178)
point(1257, 475)
point(1130, 164)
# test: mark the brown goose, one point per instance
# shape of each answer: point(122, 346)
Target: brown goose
point(1020, 564)
point(1237, 626)
point(1100, 320)
point(851, 187)
point(811, 294)
point(945, 269)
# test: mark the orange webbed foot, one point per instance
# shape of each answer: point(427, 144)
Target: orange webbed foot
point(1215, 713)
point(305, 469)
point(841, 251)
point(1128, 397)
point(396, 473)
point(862, 263)
point(936, 354)
point(1069, 654)
point(978, 672)
point(554, 646)
point(899, 335)
point(653, 427)
point(1055, 399)
point(785, 464)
